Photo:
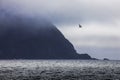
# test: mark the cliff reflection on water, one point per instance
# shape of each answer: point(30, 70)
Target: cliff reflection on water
point(59, 70)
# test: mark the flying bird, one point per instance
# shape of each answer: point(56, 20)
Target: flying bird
point(80, 26)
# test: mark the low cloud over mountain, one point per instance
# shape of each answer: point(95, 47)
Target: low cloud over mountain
point(23, 37)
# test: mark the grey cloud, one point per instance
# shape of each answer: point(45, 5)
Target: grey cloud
point(100, 53)
point(65, 11)
point(72, 12)
point(97, 41)
point(100, 38)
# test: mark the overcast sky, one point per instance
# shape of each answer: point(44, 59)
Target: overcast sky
point(100, 34)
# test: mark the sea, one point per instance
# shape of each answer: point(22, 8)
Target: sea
point(59, 70)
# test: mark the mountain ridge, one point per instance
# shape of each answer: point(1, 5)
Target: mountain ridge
point(30, 38)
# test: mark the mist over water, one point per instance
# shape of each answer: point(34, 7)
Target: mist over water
point(100, 21)
point(101, 29)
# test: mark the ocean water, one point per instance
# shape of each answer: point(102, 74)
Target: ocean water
point(59, 70)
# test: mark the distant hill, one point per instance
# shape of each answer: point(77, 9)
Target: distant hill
point(30, 38)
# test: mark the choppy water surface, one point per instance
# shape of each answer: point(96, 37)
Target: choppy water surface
point(59, 70)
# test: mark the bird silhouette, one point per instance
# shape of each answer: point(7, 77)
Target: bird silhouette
point(80, 26)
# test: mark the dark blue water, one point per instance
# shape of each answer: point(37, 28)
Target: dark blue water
point(59, 70)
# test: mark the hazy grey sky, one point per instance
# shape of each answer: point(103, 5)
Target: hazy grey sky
point(100, 35)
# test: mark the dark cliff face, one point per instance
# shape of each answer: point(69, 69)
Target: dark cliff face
point(29, 38)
